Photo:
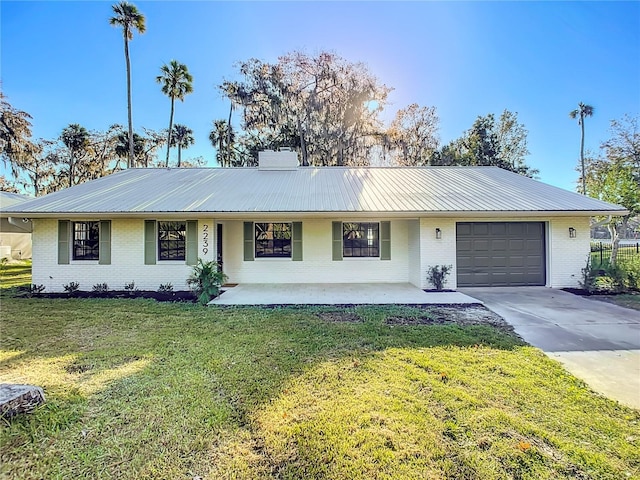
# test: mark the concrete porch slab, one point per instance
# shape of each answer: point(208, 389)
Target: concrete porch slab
point(337, 294)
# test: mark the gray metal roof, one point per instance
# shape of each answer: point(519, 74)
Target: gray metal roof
point(7, 199)
point(426, 190)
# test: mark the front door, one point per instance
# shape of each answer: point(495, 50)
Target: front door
point(219, 245)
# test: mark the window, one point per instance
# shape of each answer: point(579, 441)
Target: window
point(273, 240)
point(86, 241)
point(172, 240)
point(361, 239)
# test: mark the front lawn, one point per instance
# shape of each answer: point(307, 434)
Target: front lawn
point(138, 389)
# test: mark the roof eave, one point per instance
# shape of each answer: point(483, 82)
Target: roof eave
point(323, 214)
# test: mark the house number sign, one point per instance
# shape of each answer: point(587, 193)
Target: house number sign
point(205, 239)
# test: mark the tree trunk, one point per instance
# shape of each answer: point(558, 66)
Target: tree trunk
point(36, 184)
point(179, 155)
point(169, 134)
point(228, 160)
point(131, 161)
point(615, 239)
point(584, 180)
point(221, 158)
point(71, 169)
point(303, 145)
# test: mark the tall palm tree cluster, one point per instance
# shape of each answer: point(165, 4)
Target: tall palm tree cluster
point(175, 79)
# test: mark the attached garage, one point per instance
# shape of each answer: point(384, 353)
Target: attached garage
point(497, 254)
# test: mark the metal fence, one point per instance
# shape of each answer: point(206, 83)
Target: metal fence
point(601, 251)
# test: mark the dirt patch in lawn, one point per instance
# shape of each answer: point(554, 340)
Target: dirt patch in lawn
point(462, 315)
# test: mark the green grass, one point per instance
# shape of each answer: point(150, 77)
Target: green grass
point(137, 389)
point(15, 274)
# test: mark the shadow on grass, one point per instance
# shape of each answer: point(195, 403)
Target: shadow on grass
point(250, 351)
point(159, 390)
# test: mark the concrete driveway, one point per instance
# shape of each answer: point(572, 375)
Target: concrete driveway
point(596, 341)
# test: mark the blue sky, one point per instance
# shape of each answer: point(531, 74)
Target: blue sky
point(63, 63)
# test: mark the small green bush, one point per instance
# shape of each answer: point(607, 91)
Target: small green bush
point(71, 287)
point(631, 267)
point(205, 281)
point(603, 278)
point(100, 287)
point(589, 274)
point(36, 289)
point(437, 275)
point(165, 287)
point(130, 287)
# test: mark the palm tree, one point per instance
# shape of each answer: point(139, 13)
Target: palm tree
point(176, 83)
point(76, 138)
point(580, 113)
point(122, 146)
point(182, 138)
point(128, 17)
point(222, 138)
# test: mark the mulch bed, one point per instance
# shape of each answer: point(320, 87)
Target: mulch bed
point(584, 293)
point(597, 293)
point(177, 296)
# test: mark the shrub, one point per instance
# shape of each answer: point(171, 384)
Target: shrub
point(631, 268)
point(437, 275)
point(625, 276)
point(71, 287)
point(165, 287)
point(100, 287)
point(130, 287)
point(205, 281)
point(36, 289)
point(589, 275)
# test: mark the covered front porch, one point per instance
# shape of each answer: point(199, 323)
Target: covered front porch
point(337, 294)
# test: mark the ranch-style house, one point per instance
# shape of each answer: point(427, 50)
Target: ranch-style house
point(282, 223)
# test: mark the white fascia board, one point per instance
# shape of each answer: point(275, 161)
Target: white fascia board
point(331, 214)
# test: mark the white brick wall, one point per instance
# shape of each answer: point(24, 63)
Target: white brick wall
point(317, 265)
point(127, 259)
point(565, 256)
point(413, 234)
point(435, 251)
point(413, 248)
